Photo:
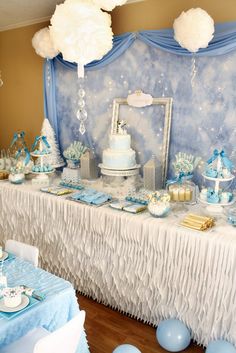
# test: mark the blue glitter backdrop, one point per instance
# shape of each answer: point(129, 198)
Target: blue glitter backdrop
point(203, 117)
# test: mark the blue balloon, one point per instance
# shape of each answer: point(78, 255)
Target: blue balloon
point(220, 346)
point(173, 335)
point(126, 348)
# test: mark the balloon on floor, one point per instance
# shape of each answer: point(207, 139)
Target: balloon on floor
point(220, 346)
point(126, 348)
point(173, 335)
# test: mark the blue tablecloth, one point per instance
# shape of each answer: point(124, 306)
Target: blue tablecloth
point(59, 306)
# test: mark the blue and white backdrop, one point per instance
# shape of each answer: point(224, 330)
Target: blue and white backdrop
point(203, 117)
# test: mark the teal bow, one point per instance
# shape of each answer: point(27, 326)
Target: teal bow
point(43, 139)
point(179, 178)
point(16, 136)
point(227, 163)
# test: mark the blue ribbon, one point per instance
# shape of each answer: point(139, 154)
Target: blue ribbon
point(227, 163)
point(179, 178)
point(44, 140)
point(27, 157)
point(37, 138)
point(16, 136)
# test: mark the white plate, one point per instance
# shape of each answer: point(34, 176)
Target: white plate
point(39, 155)
point(4, 256)
point(24, 302)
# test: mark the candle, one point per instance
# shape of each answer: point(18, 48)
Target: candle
point(182, 194)
point(188, 194)
point(175, 194)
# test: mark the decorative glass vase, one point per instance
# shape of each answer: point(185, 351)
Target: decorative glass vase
point(73, 163)
point(159, 209)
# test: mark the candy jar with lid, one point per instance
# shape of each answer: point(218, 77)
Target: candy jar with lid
point(182, 188)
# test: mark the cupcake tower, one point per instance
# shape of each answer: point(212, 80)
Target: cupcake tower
point(41, 149)
point(218, 170)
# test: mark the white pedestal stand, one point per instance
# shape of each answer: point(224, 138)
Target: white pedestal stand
point(42, 178)
point(126, 172)
point(120, 179)
point(217, 207)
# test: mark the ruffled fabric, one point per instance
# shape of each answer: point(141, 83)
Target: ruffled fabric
point(148, 268)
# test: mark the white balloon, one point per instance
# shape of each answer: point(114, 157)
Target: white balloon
point(81, 31)
point(43, 44)
point(109, 5)
point(194, 29)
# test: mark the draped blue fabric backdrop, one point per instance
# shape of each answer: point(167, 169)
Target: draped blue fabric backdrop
point(203, 117)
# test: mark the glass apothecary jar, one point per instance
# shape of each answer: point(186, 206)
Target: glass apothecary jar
point(182, 190)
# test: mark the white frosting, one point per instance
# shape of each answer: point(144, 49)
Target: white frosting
point(119, 159)
point(119, 155)
point(119, 142)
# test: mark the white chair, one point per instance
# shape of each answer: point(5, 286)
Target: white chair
point(26, 252)
point(64, 340)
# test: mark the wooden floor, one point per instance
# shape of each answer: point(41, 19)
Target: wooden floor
point(106, 329)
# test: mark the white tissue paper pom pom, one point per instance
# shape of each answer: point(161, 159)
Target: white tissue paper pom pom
point(194, 29)
point(81, 31)
point(109, 5)
point(43, 44)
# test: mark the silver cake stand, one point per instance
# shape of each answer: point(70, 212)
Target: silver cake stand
point(125, 172)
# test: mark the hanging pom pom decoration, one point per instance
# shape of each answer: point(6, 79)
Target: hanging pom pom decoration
point(82, 32)
point(193, 30)
point(43, 44)
point(109, 5)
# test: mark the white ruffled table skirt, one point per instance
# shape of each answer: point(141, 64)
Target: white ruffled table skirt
point(149, 268)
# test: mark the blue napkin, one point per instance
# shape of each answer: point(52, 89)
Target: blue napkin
point(10, 316)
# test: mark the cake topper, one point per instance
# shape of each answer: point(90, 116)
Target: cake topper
point(121, 127)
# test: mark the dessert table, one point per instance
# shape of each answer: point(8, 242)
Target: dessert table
point(58, 307)
point(146, 267)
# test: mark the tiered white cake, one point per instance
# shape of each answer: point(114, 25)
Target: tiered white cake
point(119, 155)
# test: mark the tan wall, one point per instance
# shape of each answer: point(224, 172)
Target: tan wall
point(158, 14)
point(21, 97)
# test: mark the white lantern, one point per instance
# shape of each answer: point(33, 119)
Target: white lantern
point(81, 31)
point(194, 29)
point(109, 5)
point(43, 44)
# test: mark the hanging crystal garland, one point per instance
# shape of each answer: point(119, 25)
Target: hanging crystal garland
point(82, 114)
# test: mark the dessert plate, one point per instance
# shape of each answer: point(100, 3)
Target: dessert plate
point(24, 302)
point(4, 256)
